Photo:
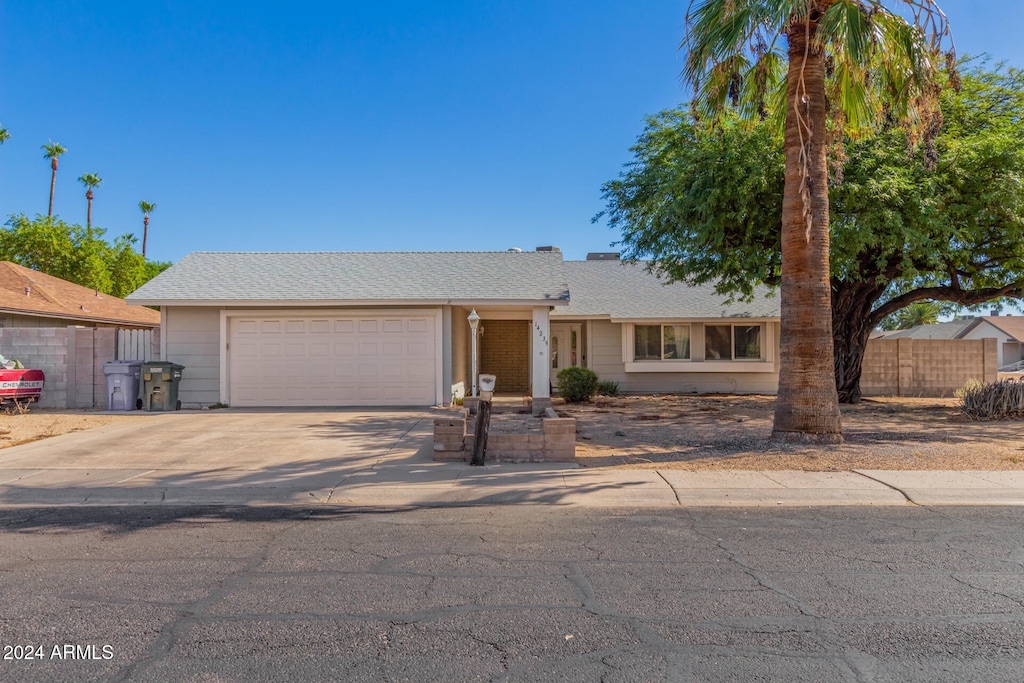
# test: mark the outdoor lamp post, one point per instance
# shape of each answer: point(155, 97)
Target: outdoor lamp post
point(474, 324)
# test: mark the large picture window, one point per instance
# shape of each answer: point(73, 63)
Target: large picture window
point(661, 342)
point(732, 342)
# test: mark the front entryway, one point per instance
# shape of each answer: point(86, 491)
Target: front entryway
point(505, 353)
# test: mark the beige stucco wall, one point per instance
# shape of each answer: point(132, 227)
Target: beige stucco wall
point(461, 353)
point(1009, 349)
point(606, 361)
point(193, 340)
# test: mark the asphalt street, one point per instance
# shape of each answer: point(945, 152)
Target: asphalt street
point(522, 593)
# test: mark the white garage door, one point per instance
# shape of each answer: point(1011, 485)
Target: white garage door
point(332, 360)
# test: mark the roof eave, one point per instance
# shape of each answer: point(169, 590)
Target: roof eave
point(344, 303)
point(84, 318)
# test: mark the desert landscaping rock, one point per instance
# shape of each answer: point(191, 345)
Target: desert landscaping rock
point(734, 433)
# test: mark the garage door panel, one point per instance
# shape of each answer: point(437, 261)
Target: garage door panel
point(332, 360)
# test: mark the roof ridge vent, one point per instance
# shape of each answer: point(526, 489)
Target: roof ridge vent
point(549, 249)
point(603, 256)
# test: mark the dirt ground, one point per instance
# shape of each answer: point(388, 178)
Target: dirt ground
point(40, 423)
point(733, 432)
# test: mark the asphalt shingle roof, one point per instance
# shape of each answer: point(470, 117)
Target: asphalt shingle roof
point(948, 330)
point(624, 289)
point(29, 292)
point(359, 276)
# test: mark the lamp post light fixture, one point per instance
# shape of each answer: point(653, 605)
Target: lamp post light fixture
point(474, 324)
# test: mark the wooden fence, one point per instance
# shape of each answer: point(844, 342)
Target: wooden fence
point(141, 345)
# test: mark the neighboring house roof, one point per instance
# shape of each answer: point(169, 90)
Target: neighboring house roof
point(949, 330)
point(207, 278)
point(623, 290)
point(28, 292)
point(957, 329)
point(1012, 325)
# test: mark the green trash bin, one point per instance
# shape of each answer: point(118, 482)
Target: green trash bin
point(161, 386)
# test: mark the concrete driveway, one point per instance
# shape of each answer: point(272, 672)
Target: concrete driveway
point(243, 456)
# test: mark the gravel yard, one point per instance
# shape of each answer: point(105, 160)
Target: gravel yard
point(733, 432)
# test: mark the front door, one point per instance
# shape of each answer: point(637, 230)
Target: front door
point(565, 348)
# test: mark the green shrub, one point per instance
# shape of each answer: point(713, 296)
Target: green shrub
point(996, 401)
point(606, 387)
point(577, 384)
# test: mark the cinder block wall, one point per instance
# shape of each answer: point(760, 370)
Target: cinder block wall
point(72, 359)
point(926, 367)
point(41, 348)
point(554, 442)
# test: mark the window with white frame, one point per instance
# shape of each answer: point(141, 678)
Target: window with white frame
point(661, 342)
point(733, 342)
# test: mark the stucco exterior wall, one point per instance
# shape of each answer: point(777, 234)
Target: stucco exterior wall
point(461, 349)
point(193, 340)
point(606, 360)
point(1009, 349)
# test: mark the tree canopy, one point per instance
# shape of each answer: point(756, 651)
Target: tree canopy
point(704, 202)
point(67, 251)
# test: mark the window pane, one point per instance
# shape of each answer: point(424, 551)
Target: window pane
point(647, 342)
point(554, 353)
point(718, 342)
point(748, 341)
point(677, 341)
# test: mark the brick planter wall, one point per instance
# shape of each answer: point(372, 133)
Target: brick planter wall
point(554, 442)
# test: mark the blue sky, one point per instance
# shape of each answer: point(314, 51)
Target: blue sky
point(350, 126)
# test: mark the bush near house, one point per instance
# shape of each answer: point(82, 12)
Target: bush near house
point(606, 387)
point(576, 385)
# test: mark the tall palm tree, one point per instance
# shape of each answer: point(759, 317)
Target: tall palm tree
point(90, 181)
point(4, 135)
point(52, 152)
point(846, 65)
point(146, 209)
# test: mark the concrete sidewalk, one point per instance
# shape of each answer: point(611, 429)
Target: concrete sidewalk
point(457, 484)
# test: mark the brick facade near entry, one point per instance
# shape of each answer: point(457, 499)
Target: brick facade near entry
point(505, 353)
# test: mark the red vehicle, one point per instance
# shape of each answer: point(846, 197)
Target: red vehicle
point(20, 385)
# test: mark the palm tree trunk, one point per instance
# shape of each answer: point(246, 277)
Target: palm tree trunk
point(53, 183)
point(807, 408)
point(145, 235)
point(88, 215)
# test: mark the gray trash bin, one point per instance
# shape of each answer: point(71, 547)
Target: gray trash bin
point(124, 384)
